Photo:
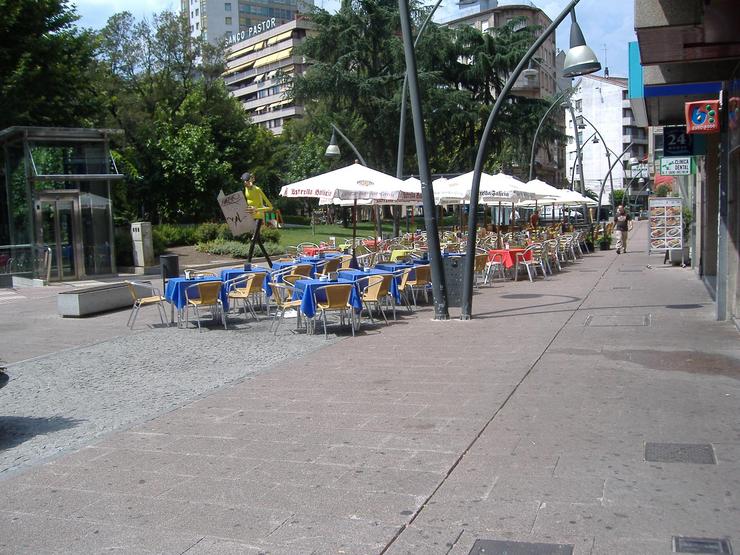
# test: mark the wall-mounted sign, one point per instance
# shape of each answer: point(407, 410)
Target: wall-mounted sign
point(676, 142)
point(666, 223)
point(244, 34)
point(676, 165)
point(702, 116)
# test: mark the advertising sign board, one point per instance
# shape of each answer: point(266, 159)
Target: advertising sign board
point(666, 223)
point(675, 165)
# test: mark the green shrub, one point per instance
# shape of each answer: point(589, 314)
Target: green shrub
point(124, 246)
point(174, 235)
point(207, 232)
point(236, 249)
point(270, 234)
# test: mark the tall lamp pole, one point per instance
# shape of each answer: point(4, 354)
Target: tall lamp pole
point(439, 288)
point(555, 103)
point(609, 175)
point(580, 60)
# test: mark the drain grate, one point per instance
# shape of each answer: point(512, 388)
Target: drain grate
point(683, 544)
point(498, 547)
point(693, 453)
point(606, 321)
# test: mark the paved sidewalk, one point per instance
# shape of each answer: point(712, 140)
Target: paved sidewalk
point(528, 423)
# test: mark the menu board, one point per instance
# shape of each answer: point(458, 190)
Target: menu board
point(666, 223)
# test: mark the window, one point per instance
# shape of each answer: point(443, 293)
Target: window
point(228, 21)
point(197, 26)
point(227, 7)
point(579, 105)
point(196, 12)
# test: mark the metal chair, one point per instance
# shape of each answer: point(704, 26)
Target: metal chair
point(153, 298)
point(378, 289)
point(336, 299)
point(207, 295)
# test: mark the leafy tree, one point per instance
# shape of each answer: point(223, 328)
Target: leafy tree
point(617, 197)
point(45, 64)
point(185, 135)
point(662, 191)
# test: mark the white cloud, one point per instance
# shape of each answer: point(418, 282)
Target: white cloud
point(95, 13)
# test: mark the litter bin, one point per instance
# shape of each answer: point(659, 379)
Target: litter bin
point(453, 267)
point(170, 264)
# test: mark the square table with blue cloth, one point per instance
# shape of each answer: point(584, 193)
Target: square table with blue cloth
point(175, 293)
point(361, 278)
point(304, 290)
point(231, 273)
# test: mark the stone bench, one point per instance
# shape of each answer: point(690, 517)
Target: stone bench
point(93, 300)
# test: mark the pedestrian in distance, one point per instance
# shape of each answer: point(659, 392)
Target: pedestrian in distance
point(534, 219)
point(622, 227)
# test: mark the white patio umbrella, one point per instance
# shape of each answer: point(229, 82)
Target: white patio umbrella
point(352, 184)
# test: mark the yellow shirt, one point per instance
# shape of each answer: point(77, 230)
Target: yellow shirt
point(257, 200)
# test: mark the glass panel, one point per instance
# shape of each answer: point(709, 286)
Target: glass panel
point(95, 210)
point(65, 217)
point(48, 235)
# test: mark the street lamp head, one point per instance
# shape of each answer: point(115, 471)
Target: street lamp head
point(641, 181)
point(633, 161)
point(332, 151)
point(580, 59)
point(595, 140)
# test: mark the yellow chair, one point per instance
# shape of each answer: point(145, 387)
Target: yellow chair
point(337, 297)
point(256, 288)
point(290, 279)
point(240, 289)
point(378, 289)
point(302, 270)
point(403, 279)
point(151, 298)
point(346, 262)
point(420, 282)
point(479, 267)
point(282, 294)
point(206, 295)
point(329, 266)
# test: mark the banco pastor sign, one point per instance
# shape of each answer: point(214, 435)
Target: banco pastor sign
point(251, 31)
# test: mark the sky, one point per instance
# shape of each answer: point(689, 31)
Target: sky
point(606, 25)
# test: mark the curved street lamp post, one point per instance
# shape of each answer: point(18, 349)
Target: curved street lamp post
point(579, 60)
point(439, 287)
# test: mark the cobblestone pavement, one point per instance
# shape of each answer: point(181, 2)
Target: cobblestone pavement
point(64, 400)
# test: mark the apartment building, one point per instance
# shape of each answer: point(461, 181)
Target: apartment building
point(602, 104)
point(256, 68)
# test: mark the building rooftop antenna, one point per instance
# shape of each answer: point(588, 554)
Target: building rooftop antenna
point(606, 64)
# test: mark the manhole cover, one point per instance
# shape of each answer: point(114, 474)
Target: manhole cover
point(610, 321)
point(683, 544)
point(497, 547)
point(694, 453)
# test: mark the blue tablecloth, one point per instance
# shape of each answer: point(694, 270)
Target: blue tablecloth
point(175, 291)
point(315, 259)
point(231, 273)
point(394, 266)
point(304, 290)
point(361, 278)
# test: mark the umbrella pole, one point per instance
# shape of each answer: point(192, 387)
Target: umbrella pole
point(498, 227)
point(354, 232)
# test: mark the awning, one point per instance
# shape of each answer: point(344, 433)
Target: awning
point(272, 58)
